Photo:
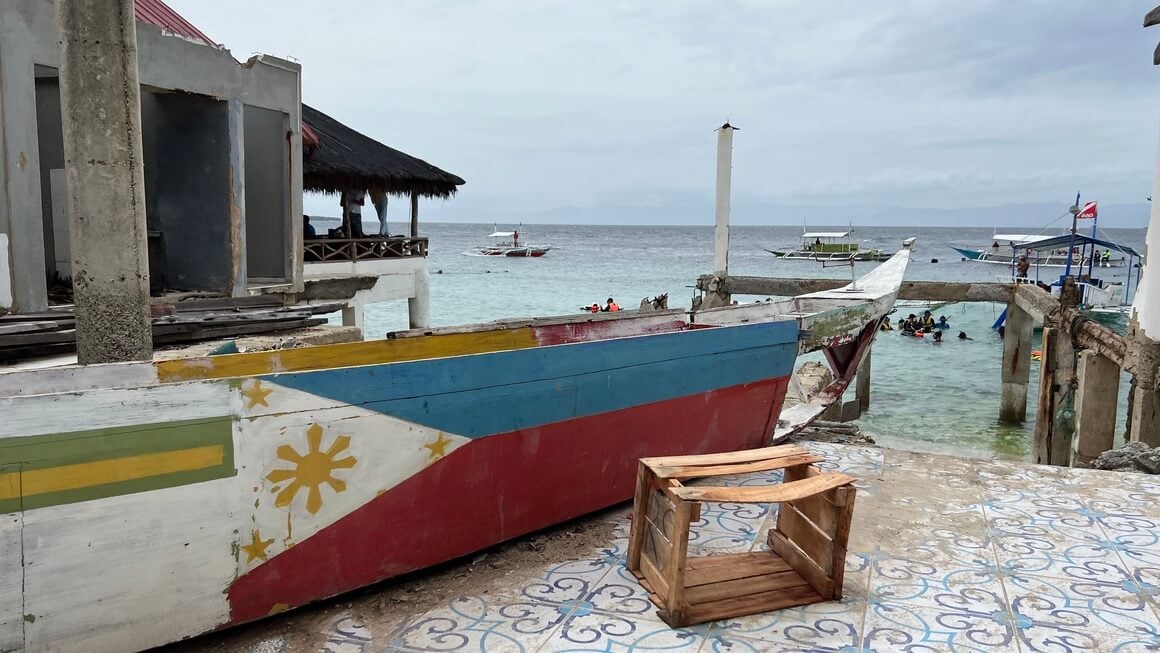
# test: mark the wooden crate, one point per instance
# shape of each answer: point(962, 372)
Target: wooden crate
point(808, 544)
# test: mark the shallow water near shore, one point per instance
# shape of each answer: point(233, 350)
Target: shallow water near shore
point(925, 397)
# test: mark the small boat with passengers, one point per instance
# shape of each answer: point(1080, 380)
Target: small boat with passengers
point(507, 243)
point(829, 246)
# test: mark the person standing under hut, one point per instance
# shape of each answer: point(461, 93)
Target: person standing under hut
point(379, 200)
point(1022, 267)
point(352, 202)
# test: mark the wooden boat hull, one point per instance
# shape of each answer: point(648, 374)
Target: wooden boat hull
point(1053, 261)
point(191, 495)
point(802, 255)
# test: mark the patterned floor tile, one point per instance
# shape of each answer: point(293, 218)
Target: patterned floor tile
point(1079, 616)
point(594, 632)
point(914, 627)
point(483, 624)
point(829, 626)
point(939, 582)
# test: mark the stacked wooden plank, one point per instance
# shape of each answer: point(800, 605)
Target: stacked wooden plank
point(31, 335)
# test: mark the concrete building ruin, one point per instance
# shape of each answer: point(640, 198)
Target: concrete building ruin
point(223, 162)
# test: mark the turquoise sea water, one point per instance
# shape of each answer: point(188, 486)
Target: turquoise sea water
point(924, 396)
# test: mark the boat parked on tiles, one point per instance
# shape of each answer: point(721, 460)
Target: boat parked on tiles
point(205, 492)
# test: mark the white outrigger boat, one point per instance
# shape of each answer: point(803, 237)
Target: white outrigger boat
point(507, 243)
point(1007, 248)
point(829, 246)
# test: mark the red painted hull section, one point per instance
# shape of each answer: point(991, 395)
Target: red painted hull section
point(503, 486)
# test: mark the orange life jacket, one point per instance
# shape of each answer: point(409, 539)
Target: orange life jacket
point(594, 309)
point(613, 307)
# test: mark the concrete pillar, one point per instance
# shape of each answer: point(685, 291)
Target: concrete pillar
point(354, 314)
point(862, 390)
point(1057, 376)
point(101, 107)
point(1095, 407)
point(419, 306)
point(236, 112)
point(724, 189)
point(1016, 365)
point(20, 189)
point(1144, 405)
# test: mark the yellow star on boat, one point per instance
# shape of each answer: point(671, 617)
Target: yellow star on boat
point(256, 549)
point(311, 469)
point(438, 447)
point(256, 394)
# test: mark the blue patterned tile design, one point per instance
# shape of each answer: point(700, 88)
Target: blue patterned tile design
point(946, 554)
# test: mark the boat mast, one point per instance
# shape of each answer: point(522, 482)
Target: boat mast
point(1074, 210)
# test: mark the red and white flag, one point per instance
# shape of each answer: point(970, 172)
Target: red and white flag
point(1087, 211)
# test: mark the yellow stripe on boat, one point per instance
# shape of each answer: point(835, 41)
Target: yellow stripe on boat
point(118, 470)
point(343, 355)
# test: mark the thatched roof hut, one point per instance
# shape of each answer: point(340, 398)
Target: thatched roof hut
point(337, 158)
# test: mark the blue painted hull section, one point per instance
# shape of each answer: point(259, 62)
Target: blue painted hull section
point(500, 392)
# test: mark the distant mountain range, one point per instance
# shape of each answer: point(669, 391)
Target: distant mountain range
point(1037, 214)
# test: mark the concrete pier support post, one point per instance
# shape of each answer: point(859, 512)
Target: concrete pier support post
point(354, 314)
point(1016, 365)
point(862, 389)
point(717, 294)
point(1095, 407)
point(1056, 381)
point(419, 306)
point(101, 109)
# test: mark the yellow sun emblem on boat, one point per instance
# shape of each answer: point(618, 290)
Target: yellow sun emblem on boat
point(311, 470)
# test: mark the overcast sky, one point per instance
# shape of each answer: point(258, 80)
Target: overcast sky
point(565, 108)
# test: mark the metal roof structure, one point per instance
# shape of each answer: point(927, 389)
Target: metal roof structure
point(159, 14)
point(1065, 241)
point(826, 234)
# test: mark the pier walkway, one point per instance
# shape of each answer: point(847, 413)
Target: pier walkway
point(946, 554)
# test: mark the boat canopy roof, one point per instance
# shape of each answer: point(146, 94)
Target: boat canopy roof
point(1066, 241)
point(1004, 239)
point(826, 234)
point(502, 234)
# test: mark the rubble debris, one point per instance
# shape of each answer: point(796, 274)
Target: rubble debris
point(1132, 457)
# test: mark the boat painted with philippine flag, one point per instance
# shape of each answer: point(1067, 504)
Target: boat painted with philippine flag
point(143, 503)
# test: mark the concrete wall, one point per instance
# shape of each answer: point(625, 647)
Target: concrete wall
point(187, 172)
point(28, 39)
point(267, 205)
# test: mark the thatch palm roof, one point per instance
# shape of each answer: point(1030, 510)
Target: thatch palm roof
point(345, 160)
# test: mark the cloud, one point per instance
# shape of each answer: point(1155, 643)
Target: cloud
point(556, 104)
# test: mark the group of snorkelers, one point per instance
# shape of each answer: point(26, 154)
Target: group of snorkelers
point(918, 327)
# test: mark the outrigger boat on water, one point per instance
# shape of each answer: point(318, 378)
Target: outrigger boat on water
point(507, 243)
point(195, 494)
point(829, 246)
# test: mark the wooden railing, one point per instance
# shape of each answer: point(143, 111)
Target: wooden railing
point(329, 250)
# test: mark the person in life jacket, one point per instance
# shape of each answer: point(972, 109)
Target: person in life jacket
point(927, 321)
point(612, 306)
point(594, 308)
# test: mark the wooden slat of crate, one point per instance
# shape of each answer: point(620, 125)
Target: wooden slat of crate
point(701, 471)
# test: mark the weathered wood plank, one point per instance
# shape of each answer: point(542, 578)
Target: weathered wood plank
point(701, 471)
point(728, 457)
point(802, 564)
point(771, 494)
point(807, 536)
point(753, 604)
point(743, 586)
point(927, 290)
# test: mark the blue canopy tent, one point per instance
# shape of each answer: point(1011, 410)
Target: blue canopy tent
point(1088, 244)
